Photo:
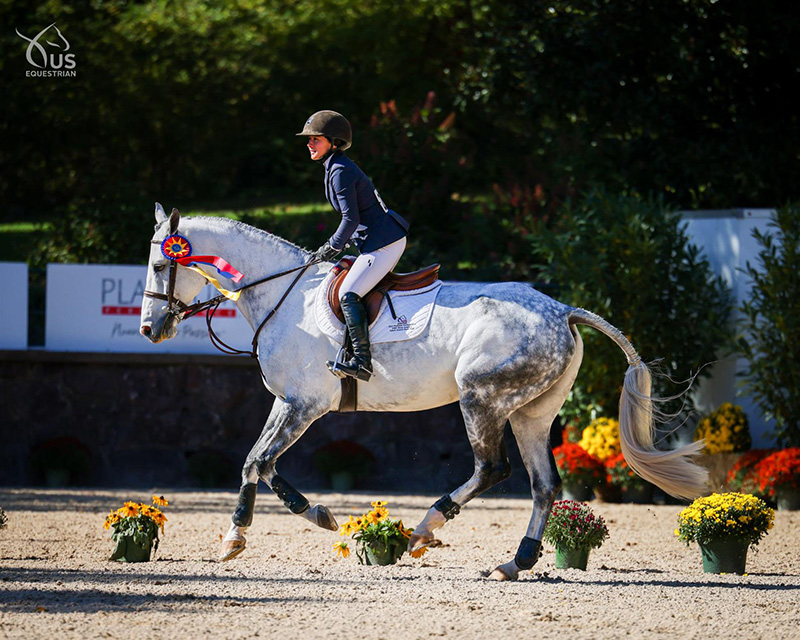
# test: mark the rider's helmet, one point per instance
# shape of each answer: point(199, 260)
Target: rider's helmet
point(332, 125)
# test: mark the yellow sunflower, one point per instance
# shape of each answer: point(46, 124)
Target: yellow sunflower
point(160, 501)
point(341, 548)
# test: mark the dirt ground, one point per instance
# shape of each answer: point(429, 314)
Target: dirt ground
point(55, 580)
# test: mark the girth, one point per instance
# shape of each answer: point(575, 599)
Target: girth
point(390, 282)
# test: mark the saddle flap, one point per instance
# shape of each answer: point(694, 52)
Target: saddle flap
point(390, 282)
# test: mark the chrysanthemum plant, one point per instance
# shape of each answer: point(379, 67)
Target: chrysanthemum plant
point(576, 466)
point(377, 532)
point(572, 525)
point(138, 521)
point(721, 515)
point(725, 430)
point(601, 438)
point(619, 473)
point(779, 471)
point(742, 475)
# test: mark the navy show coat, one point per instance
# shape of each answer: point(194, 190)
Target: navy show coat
point(366, 220)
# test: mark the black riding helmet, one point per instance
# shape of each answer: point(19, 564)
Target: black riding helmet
point(332, 125)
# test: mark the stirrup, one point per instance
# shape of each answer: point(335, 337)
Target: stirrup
point(342, 369)
point(333, 365)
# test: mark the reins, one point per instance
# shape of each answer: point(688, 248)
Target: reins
point(182, 311)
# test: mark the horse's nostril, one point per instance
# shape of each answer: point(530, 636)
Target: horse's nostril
point(145, 330)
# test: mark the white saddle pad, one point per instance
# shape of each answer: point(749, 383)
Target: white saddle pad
point(413, 309)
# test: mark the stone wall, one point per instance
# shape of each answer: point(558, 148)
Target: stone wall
point(167, 421)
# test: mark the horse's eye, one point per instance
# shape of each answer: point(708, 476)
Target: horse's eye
point(158, 267)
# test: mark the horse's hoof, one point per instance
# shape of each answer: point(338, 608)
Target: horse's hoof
point(325, 518)
point(417, 542)
point(500, 575)
point(231, 549)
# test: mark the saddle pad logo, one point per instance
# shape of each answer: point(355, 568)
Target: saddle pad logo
point(175, 247)
point(400, 325)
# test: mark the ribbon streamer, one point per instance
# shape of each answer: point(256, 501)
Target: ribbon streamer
point(230, 295)
point(221, 265)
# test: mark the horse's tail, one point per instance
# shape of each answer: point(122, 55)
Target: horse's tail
point(673, 471)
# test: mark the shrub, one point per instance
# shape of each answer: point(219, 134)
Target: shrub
point(629, 259)
point(772, 325)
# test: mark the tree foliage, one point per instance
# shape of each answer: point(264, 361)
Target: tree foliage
point(772, 325)
point(192, 101)
point(628, 259)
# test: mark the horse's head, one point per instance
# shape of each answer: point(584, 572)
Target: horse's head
point(168, 287)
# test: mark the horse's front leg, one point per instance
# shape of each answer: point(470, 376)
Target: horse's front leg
point(287, 421)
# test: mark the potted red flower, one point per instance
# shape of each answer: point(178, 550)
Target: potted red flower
point(742, 475)
point(579, 471)
point(778, 476)
point(634, 488)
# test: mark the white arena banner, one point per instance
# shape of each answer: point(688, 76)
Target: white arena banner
point(14, 325)
point(95, 307)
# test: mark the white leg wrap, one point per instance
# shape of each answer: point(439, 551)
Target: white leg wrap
point(234, 533)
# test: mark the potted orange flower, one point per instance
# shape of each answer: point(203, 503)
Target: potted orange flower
point(778, 476)
point(379, 539)
point(579, 471)
point(634, 488)
point(134, 528)
point(742, 475)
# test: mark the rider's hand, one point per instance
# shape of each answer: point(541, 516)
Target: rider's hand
point(326, 252)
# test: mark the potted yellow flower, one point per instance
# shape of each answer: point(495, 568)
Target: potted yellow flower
point(379, 539)
point(601, 440)
point(725, 526)
point(134, 528)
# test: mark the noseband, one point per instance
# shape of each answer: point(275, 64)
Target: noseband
point(180, 310)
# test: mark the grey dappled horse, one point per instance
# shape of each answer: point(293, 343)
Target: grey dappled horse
point(504, 352)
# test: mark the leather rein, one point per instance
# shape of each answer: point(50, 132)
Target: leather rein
point(181, 310)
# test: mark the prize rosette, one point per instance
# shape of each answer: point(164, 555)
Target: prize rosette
point(175, 247)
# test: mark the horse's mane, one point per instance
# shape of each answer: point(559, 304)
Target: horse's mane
point(247, 230)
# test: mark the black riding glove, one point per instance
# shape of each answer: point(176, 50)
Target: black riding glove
point(326, 252)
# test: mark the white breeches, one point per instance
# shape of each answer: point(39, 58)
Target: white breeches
point(369, 268)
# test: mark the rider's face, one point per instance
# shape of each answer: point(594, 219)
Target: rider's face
point(318, 146)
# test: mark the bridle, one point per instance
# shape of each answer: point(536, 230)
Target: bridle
point(180, 310)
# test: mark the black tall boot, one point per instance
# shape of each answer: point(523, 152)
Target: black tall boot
point(355, 316)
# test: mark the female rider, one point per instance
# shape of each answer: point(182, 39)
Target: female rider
point(377, 232)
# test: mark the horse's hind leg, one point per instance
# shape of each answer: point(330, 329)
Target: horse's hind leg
point(531, 426)
point(286, 423)
point(485, 423)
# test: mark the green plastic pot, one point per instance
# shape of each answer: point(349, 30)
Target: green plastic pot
point(724, 555)
point(380, 554)
point(127, 550)
point(572, 558)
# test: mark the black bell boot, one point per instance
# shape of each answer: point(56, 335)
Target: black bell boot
point(355, 316)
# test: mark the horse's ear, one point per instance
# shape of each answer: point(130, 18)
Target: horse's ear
point(161, 215)
point(174, 220)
